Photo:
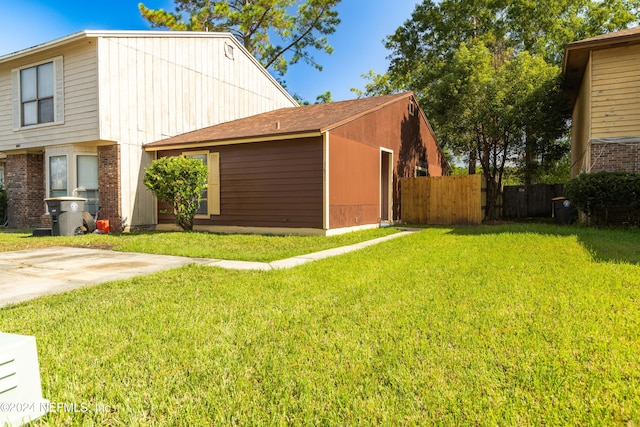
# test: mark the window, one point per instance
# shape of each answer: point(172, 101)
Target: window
point(203, 209)
point(412, 108)
point(37, 92)
point(210, 204)
point(421, 169)
point(57, 176)
point(1, 175)
point(87, 171)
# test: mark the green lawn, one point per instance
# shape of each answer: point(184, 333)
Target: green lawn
point(508, 325)
point(263, 248)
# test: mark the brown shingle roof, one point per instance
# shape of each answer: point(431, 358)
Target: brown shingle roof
point(618, 36)
point(286, 121)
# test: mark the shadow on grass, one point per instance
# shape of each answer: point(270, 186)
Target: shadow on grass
point(605, 244)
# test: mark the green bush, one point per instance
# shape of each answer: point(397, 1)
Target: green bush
point(3, 205)
point(600, 195)
point(178, 181)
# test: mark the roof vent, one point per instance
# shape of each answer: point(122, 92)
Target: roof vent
point(228, 50)
point(20, 389)
point(277, 125)
point(412, 108)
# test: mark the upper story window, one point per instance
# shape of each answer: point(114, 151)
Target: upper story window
point(38, 94)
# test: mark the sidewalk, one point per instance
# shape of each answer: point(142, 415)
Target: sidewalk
point(32, 273)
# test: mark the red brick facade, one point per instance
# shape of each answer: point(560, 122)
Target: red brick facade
point(109, 186)
point(25, 183)
point(614, 157)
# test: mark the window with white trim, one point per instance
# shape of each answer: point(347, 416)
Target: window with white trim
point(58, 176)
point(2, 175)
point(203, 208)
point(87, 180)
point(210, 204)
point(38, 94)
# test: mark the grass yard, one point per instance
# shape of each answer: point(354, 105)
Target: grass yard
point(262, 248)
point(508, 325)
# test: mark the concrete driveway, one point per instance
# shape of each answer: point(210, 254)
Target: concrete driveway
point(28, 274)
point(31, 273)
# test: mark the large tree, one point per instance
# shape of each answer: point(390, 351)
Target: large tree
point(487, 72)
point(277, 32)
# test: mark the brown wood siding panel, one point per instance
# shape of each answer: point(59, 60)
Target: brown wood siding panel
point(267, 184)
point(355, 161)
point(354, 183)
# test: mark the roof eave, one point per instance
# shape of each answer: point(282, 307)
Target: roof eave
point(167, 145)
point(44, 46)
point(108, 33)
point(364, 113)
point(576, 57)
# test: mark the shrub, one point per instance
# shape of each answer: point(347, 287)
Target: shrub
point(178, 181)
point(600, 195)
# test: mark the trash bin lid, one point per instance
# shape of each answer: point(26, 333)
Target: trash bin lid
point(66, 199)
point(559, 198)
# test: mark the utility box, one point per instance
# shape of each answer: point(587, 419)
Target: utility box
point(20, 387)
point(66, 215)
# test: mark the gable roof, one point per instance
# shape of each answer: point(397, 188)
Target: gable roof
point(114, 33)
point(576, 56)
point(88, 34)
point(284, 123)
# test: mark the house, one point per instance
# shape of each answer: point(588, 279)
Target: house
point(602, 80)
point(316, 169)
point(76, 111)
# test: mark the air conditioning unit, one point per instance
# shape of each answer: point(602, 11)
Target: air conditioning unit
point(20, 390)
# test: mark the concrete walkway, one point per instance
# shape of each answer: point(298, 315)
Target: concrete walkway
point(35, 272)
point(303, 259)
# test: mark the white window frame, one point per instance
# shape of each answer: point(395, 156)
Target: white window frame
point(72, 153)
point(58, 95)
point(81, 193)
point(49, 189)
point(192, 154)
point(213, 182)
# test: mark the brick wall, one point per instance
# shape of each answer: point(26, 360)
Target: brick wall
point(614, 157)
point(109, 186)
point(25, 182)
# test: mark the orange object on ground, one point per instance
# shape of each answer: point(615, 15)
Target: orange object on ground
point(103, 224)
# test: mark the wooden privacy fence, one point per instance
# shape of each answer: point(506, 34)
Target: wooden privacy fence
point(521, 201)
point(442, 200)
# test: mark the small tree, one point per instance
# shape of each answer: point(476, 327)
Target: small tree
point(180, 182)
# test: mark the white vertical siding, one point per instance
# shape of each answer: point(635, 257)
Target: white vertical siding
point(181, 84)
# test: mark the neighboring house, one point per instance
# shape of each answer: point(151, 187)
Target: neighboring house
point(75, 113)
point(602, 79)
point(317, 169)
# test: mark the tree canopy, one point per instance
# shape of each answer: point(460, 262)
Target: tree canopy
point(278, 33)
point(488, 75)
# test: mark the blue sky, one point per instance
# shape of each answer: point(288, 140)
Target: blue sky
point(357, 42)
